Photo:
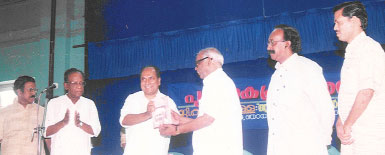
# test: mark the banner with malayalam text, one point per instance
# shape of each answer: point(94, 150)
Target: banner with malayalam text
point(252, 94)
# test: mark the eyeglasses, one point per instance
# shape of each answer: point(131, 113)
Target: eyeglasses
point(77, 83)
point(199, 61)
point(273, 43)
point(32, 90)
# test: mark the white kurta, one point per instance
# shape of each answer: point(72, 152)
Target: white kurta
point(71, 139)
point(143, 138)
point(300, 111)
point(364, 68)
point(220, 101)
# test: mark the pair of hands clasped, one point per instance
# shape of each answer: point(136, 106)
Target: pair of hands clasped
point(164, 129)
point(344, 133)
point(77, 121)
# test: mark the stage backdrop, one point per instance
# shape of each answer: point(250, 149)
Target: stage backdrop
point(238, 40)
point(184, 87)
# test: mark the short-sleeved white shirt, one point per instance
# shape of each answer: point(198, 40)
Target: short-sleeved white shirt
point(71, 139)
point(220, 101)
point(143, 138)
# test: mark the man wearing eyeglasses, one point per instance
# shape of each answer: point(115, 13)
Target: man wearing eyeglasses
point(71, 118)
point(218, 127)
point(18, 120)
point(300, 111)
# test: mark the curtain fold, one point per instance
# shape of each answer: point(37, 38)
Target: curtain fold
point(239, 40)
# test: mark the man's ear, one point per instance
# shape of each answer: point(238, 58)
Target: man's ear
point(288, 44)
point(65, 85)
point(356, 20)
point(18, 92)
point(211, 61)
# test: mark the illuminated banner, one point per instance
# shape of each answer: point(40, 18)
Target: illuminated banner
point(252, 94)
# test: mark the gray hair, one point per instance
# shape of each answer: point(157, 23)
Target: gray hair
point(213, 53)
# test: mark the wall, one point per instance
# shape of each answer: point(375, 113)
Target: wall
point(24, 40)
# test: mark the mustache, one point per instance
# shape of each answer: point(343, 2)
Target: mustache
point(270, 51)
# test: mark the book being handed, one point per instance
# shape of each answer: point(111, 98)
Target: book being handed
point(162, 113)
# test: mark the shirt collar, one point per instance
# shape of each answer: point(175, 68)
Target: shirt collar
point(19, 105)
point(80, 98)
point(158, 94)
point(212, 75)
point(357, 40)
point(286, 63)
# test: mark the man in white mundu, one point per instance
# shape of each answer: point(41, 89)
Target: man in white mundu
point(143, 112)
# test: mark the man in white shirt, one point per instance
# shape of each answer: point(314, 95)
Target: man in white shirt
point(361, 99)
point(136, 116)
point(218, 127)
point(300, 111)
point(72, 119)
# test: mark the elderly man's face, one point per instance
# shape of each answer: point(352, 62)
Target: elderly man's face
point(344, 26)
point(201, 65)
point(277, 43)
point(28, 96)
point(75, 85)
point(149, 82)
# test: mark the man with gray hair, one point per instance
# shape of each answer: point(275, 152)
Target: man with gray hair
point(218, 127)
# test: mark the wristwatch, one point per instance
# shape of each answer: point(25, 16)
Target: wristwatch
point(176, 130)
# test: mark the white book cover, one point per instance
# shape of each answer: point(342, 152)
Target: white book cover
point(162, 113)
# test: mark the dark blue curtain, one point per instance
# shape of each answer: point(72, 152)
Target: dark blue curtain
point(109, 96)
point(113, 64)
point(239, 40)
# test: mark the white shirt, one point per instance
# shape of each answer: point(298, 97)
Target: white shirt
point(364, 68)
point(71, 139)
point(299, 109)
point(220, 101)
point(143, 138)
